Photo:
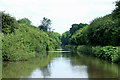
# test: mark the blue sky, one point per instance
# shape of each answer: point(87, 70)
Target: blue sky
point(63, 13)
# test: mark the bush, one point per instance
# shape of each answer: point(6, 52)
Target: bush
point(109, 53)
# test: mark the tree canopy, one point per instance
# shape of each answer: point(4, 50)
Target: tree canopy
point(76, 27)
point(116, 12)
point(24, 21)
point(45, 24)
point(9, 24)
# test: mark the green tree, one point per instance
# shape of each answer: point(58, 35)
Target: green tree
point(116, 12)
point(65, 38)
point(45, 25)
point(76, 27)
point(24, 21)
point(80, 37)
point(101, 31)
point(9, 24)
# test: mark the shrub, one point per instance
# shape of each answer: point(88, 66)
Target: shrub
point(109, 53)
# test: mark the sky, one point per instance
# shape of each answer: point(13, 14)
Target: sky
point(62, 13)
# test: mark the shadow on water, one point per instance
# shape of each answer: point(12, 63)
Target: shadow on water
point(60, 64)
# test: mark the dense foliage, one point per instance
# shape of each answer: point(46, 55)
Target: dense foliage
point(9, 24)
point(75, 27)
point(27, 41)
point(57, 37)
point(102, 31)
point(109, 53)
point(68, 34)
point(65, 38)
point(80, 37)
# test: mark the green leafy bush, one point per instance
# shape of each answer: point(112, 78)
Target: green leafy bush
point(109, 53)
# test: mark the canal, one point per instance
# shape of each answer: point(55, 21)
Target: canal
point(60, 64)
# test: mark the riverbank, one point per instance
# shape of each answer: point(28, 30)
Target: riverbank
point(107, 53)
point(23, 41)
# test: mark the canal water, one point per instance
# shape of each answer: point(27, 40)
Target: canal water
point(60, 64)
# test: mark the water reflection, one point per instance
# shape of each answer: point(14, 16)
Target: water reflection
point(61, 68)
point(25, 68)
point(40, 73)
point(96, 68)
point(58, 64)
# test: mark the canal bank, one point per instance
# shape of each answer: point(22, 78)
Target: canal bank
point(107, 53)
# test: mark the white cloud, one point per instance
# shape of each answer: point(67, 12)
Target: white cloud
point(63, 13)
